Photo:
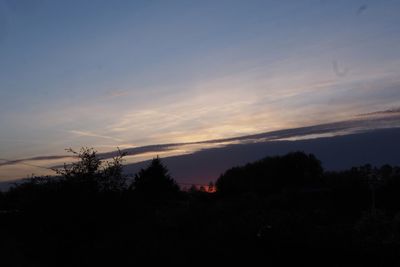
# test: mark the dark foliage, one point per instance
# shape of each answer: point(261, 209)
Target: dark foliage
point(272, 175)
point(278, 211)
point(155, 181)
point(91, 174)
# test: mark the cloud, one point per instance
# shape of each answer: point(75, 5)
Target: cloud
point(254, 96)
point(368, 122)
point(91, 134)
point(390, 111)
point(25, 160)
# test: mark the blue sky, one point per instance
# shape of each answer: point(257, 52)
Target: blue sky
point(133, 73)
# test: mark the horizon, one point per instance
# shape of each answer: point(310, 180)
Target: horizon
point(138, 156)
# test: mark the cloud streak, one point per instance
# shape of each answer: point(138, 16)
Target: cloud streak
point(91, 134)
point(365, 123)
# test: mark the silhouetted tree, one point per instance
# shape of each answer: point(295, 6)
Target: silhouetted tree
point(279, 208)
point(92, 174)
point(155, 180)
point(113, 178)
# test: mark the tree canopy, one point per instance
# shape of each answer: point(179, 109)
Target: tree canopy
point(272, 174)
point(155, 180)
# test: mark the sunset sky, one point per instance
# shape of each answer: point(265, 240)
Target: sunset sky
point(133, 73)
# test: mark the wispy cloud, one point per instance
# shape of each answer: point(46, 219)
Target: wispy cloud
point(91, 134)
point(39, 159)
point(365, 123)
point(390, 111)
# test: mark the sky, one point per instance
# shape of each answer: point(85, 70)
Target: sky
point(133, 73)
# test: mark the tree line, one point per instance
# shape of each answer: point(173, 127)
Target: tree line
point(279, 210)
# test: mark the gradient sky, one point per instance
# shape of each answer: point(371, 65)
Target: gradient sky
point(132, 73)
